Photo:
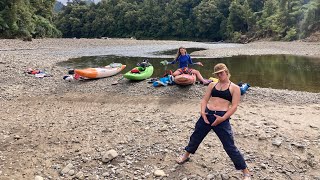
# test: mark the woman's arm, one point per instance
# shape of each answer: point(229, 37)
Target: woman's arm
point(204, 102)
point(174, 61)
point(235, 92)
point(191, 62)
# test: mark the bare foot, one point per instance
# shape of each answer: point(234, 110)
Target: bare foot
point(246, 177)
point(182, 159)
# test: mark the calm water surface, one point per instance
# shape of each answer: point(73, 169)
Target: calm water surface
point(275, 71)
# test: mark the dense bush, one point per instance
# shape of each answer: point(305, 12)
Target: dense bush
point(205, 20)
point(27, 18)
point(211, 20)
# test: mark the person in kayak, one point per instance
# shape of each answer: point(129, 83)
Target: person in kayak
point(217, 105)
point(184, 59)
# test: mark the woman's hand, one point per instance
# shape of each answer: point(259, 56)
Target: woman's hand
point(200, 63)
point(204, 116)
point(218, 120)
point(165, 62)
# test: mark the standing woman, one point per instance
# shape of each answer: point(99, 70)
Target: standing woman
point(184, 59)
point(218, 104)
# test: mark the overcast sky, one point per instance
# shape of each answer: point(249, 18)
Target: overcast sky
point(65, 1)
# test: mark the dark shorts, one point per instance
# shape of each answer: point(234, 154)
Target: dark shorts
point(185, 70)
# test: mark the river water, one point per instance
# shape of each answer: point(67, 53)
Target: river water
point(275, 71)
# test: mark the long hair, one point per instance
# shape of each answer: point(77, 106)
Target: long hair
point(178, 52)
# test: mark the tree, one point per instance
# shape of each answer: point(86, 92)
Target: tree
point(236, 20)
point(208, 19)
point(72, 20)
point(26, 18)
point(185, 19)
point(311, 19)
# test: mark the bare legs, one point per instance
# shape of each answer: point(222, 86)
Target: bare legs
point(176, 73)
point(196, 72)
point(199, 76)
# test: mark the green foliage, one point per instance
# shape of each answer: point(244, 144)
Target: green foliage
point(27, 18)
point(291, 34)
point(267, 20)
point(58, 7)
point(44, 28)
point(256, 5)
point(240, 17)
point(205, 20)
point(75, 20)
point(179, 14)
point(208, 19)
point(311, 18)
point(236, 37)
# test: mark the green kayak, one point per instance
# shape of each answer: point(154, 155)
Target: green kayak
point(139, 73)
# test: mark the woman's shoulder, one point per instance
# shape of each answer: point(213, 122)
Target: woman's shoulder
point(212, 84)
point(234, 86)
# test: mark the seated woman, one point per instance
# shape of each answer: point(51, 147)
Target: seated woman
point(184, 60)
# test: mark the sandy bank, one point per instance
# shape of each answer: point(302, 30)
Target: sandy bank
point(47, 123)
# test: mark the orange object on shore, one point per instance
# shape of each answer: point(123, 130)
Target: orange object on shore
point(106, 71)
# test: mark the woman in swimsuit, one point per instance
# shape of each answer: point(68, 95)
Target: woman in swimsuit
point(218, 104)
point(184, 59)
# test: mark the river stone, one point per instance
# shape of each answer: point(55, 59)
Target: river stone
point(211, 177)
point(71, 172)
point(38, 178)
point(159, 173)
point(109, 155)
point(80, 175)
point(277, 142)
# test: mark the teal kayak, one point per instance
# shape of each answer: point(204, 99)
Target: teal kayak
point(139, 73)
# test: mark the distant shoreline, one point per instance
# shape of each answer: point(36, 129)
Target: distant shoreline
point(17, 55)
point(311, 49)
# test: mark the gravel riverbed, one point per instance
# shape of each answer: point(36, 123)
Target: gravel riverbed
point(54, 129)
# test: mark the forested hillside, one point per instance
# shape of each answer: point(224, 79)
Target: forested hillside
point(27, 18)
point(212, 20)
point(204, 20)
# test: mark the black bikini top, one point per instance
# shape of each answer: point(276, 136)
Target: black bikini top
point(226, 94)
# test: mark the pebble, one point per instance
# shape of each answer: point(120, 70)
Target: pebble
point(66, 169)
point(38, 178)
point(109, 155)
point(80, 175)
point(159, 173)
point(277, 142)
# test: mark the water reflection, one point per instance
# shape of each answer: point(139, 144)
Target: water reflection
point(275, 71)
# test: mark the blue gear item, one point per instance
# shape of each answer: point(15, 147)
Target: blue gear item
point(243, 87)
point(164, 81)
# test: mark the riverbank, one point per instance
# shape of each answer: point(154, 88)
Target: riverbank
point(49, 123)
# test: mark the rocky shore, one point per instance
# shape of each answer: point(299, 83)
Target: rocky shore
point(53, 129)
